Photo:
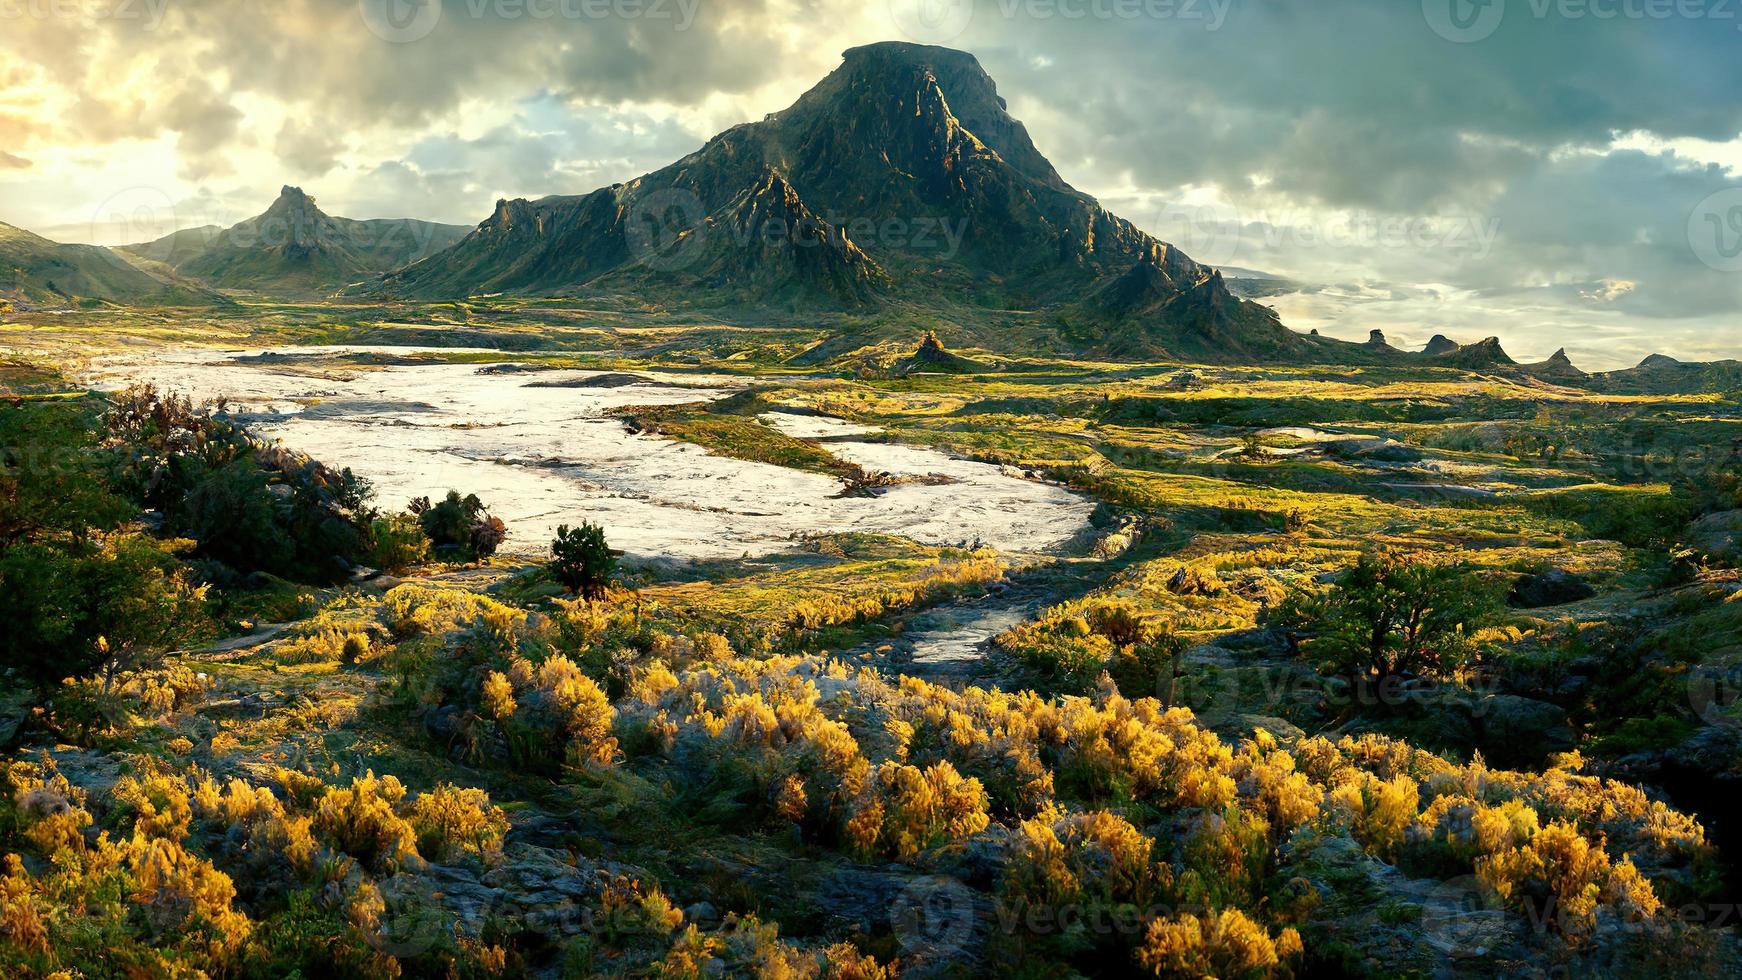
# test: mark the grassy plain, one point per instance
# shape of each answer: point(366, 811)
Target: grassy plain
point(725, 747)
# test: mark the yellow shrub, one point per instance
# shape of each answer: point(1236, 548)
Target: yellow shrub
point(451, 818)
point(497, 696)
point(361, 822)
point(843, 962)
point(790, 801)
point(160, 804)
point(629, 907)
point(1379, 811)
point(905, 810)
point(50, 809)
point(1267, 777)
point(350, 643)
point(184, 893)
point(1223, 945)
point(416, 609)
point(21, 918)
point(583, 713)
point(1096, 856)
point(1568, 870)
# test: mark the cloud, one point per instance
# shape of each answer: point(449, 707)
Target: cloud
point(1552, 165)
point(308, 149)
point(12, 161)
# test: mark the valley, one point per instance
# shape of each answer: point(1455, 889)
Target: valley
point(847, 550)
point(1071, 509)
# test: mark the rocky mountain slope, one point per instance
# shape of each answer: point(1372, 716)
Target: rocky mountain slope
point(900, 179)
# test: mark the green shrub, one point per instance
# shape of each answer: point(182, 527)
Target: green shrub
point(1395, 612)
point(581, 560)
point(460, 526)
point(397, 543)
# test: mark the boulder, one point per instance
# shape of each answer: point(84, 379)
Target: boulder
point(1555, 587)
point(1516, 730)
point(1718, 536)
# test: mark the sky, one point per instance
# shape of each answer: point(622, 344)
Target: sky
point(1557, 173)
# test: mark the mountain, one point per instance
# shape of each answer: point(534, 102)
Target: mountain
point(177, 247)
point(899, 181)
point(294, 249)
point(1558, 367)
point(37, 271)
point(1483, 354)
point(1662, 374)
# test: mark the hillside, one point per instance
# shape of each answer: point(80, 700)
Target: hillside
point(36, 271)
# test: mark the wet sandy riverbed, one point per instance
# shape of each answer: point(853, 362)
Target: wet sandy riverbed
point(547, 455)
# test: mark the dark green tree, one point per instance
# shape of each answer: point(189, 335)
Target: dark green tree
point(581, 560)
point(54, 480)
point(94, 611)
point(1395, 612)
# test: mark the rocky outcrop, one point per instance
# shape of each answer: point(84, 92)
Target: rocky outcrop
point(1439, 344)
point(1555, 587)
point(1483, 354)
point(1718, 536)
point(1558, 367)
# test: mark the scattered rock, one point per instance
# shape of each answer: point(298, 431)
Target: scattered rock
point(1555, 587)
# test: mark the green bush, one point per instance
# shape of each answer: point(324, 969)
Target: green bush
point(251, 506)
point(460, 527)
point(1395, 612)
point(397, 543)
point(105, 608)
point(581, 560)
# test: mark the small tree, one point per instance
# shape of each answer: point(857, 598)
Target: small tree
point(460, 525)
point(1395, 612)
point(581, 560)
point(99, 611)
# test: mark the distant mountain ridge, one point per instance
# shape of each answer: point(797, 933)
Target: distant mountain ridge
point(294, 249)
point(37, 271)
